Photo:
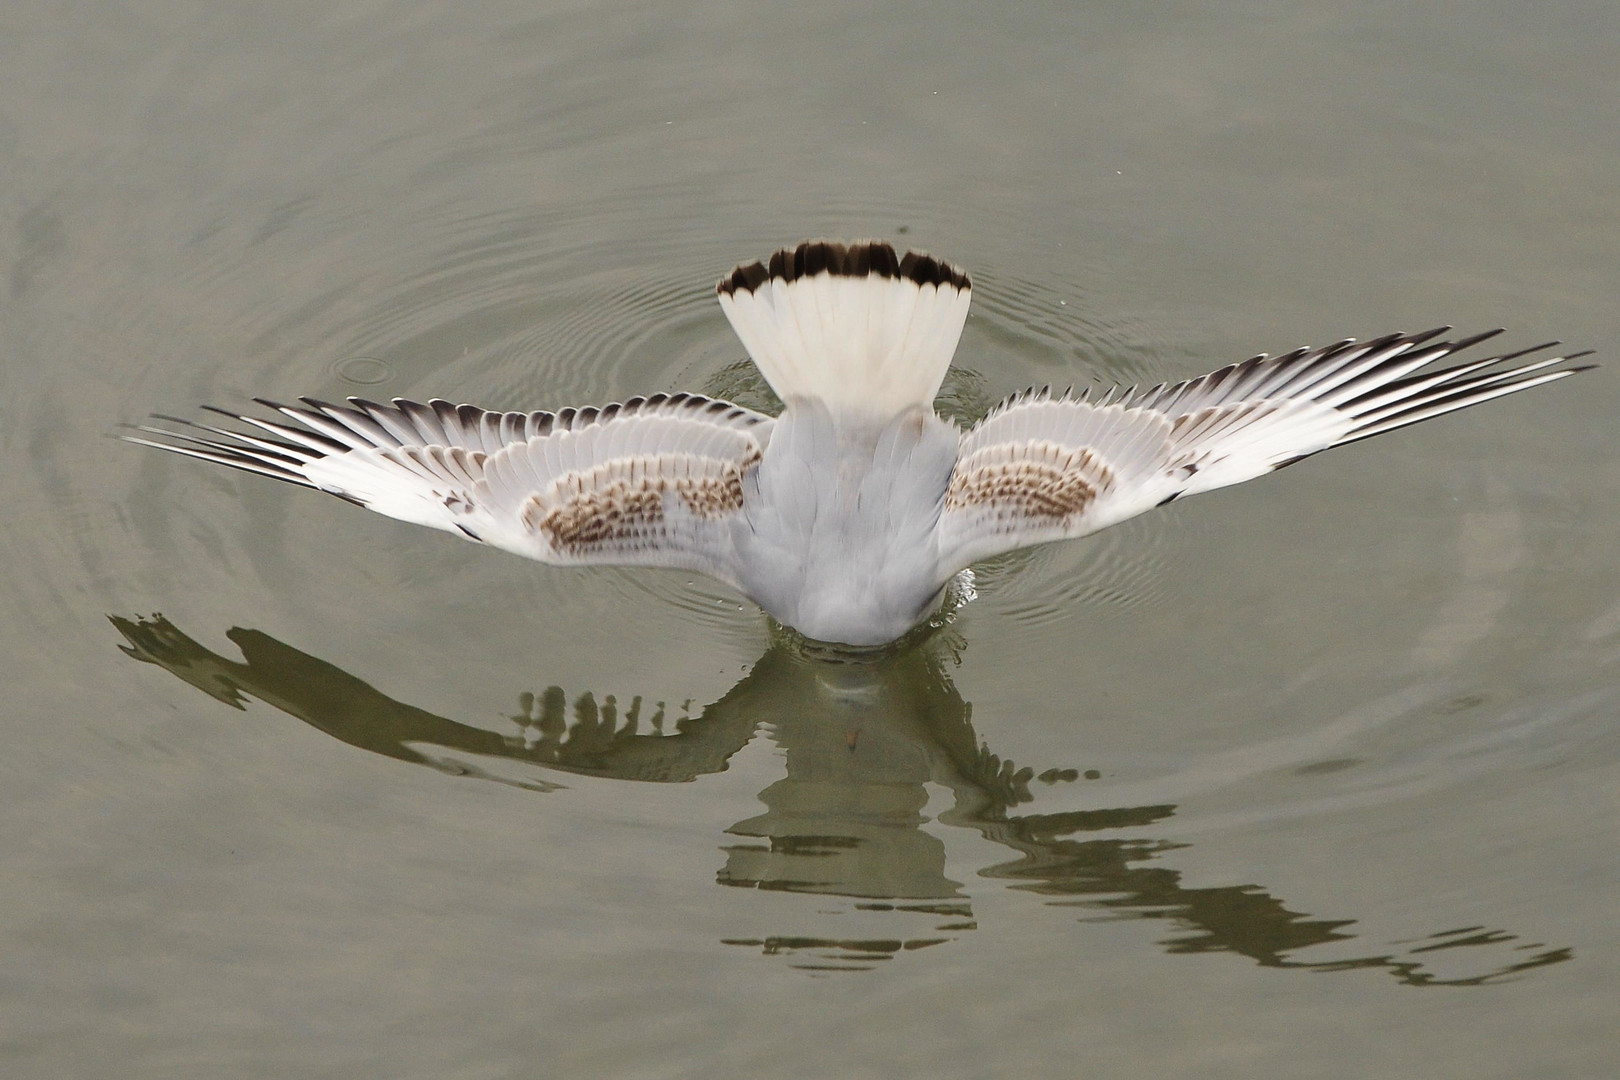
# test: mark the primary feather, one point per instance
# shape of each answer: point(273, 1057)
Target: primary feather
point(845, 516)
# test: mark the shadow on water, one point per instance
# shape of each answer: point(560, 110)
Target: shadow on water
point(861, 740)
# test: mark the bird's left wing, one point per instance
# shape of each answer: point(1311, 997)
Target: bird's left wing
point(1041, 468)
point(653, 481)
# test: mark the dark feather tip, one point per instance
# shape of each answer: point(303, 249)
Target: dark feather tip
point(871, 258)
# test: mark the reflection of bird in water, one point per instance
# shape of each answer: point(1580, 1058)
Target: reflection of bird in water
point(860, 741)
point(846, 516)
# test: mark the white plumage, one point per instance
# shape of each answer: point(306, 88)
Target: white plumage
point(846, 516)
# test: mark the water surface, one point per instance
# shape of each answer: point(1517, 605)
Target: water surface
point(1317, 776)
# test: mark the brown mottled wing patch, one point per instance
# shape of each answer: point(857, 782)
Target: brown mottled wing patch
point(1030, 481)
point(1045, 470)
point(662, 494)
point(1013, 494)
point(632, 505)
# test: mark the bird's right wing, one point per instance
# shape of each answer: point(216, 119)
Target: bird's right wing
point(1041, 468)
point(654, 481)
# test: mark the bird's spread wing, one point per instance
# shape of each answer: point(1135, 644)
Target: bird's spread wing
point(1041, 467)
point(654, 481)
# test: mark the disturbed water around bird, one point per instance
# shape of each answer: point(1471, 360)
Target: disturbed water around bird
point(1318, 776)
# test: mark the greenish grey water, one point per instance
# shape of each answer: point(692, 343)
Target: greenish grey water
point(1314, 777)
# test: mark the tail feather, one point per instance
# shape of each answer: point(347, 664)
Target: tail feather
point(855, 327)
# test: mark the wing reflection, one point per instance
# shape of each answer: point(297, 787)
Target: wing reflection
point(861, 741)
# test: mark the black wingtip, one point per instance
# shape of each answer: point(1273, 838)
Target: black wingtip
point(1516, 354)
point(1470, 342)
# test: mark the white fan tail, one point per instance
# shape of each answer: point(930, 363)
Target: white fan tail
point(854, 327)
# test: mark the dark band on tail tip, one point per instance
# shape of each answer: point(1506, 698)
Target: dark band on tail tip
point(871, 258)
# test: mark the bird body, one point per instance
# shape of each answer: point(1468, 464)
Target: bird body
point(845, 516)
point(839, 536)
